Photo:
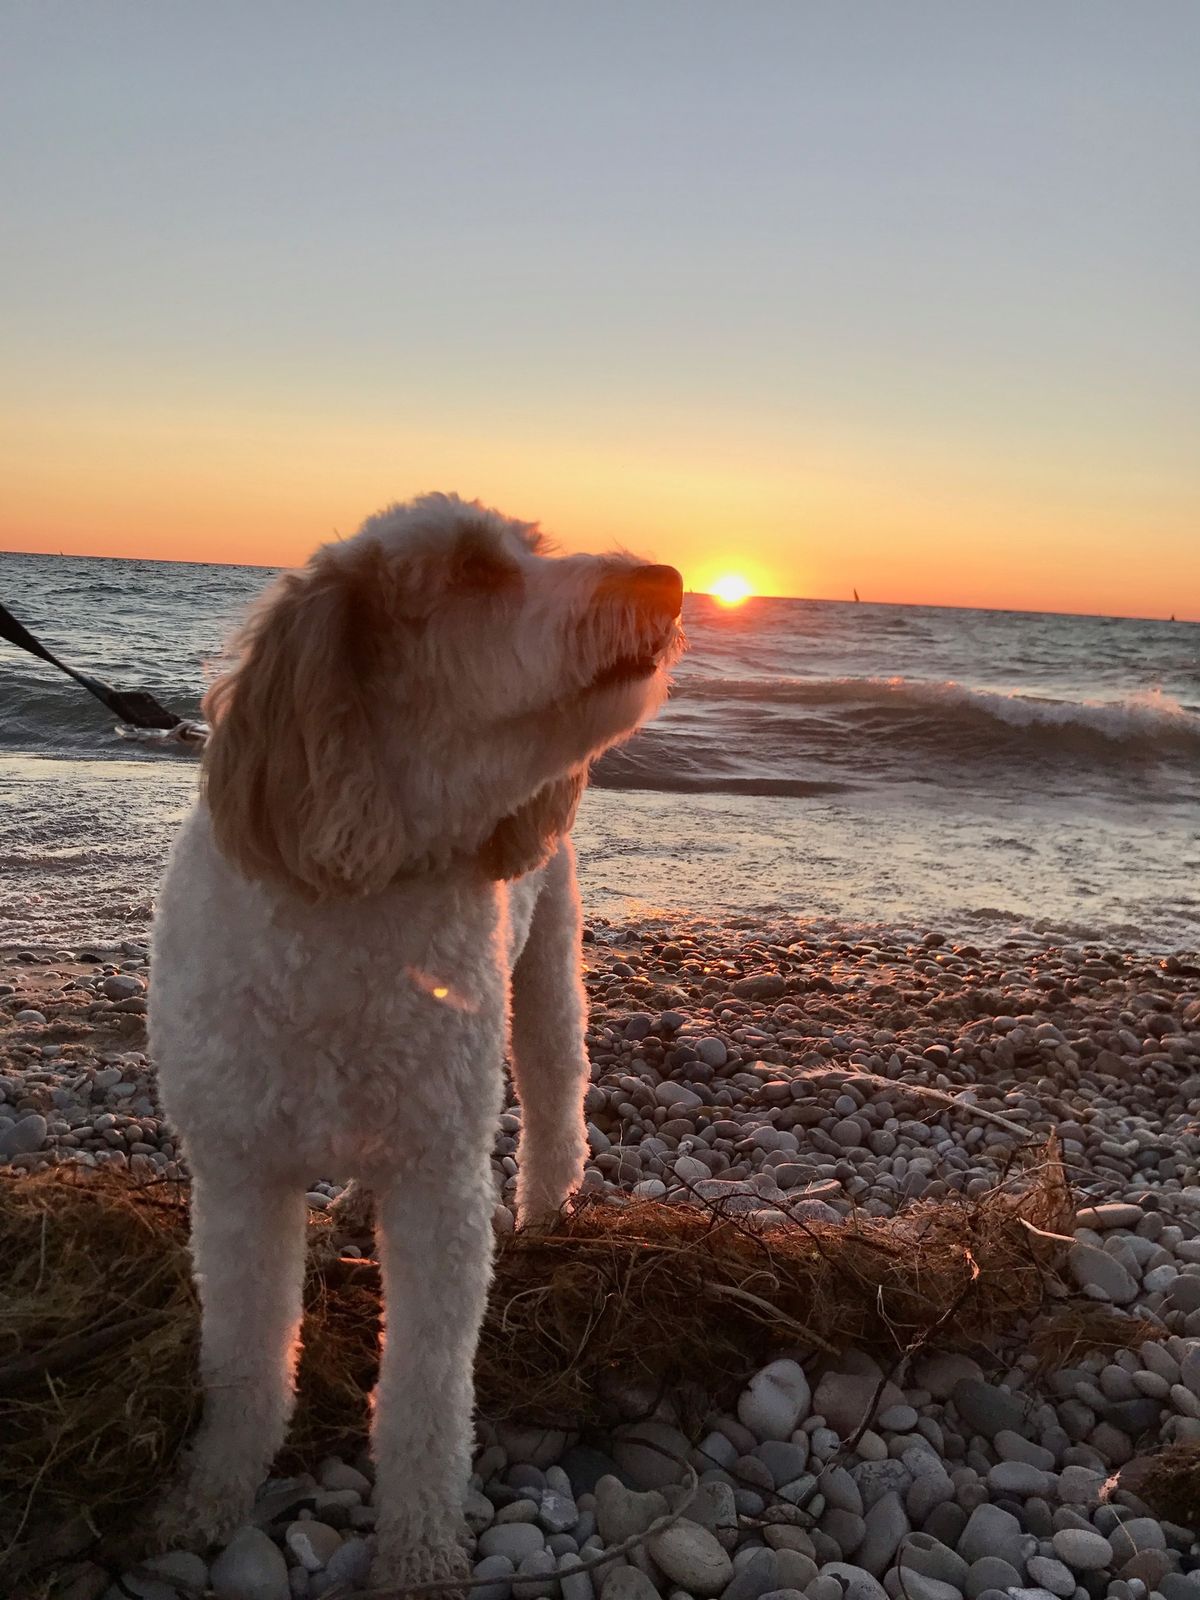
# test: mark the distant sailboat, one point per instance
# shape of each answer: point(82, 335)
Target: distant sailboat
point(856, 596)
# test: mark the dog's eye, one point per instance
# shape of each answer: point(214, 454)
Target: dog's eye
point(484, 571)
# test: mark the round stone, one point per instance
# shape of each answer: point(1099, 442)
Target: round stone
point(712, 1051)
point(25, 1136)
point(677, 1094)
point(1012, 1446)
point(1053, 1575)
point(986, 1409)
point(312, 1543)
point(336, 1474)
point(1083, 1549)
point(500, 1570)
point(1018, 1477)
point(844, 1398)
point(922, 1553)
point(515, 1540)
point(1137, 1534)
point(649, 1189)
point(689, 1169)
point(992, 1531)
point(920, 1586)
point(692, 1558)
point(1184, 1293)
point(783, 1460)
point(990, 1572)
point(898, 1419)
point(350, 1563)
point(1100, 1274)
point(250, 1567)
point(1080, 1486)
point(776, 1401)
point(627, 1583)
point(651, 1454)
point(886, 1526)
point(178, 1570)
point(534, 1575)
point(558, 1512)
point(939, 1374)
point(122, 986)
point(755, 1574)
point(623, 1513)
point(855, 1582)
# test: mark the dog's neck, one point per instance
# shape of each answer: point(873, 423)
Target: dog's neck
point(522, 841)
point(527, 838)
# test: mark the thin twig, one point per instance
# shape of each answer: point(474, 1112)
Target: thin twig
point(1043, 1233)
point(921, 1091)
point(729, 1291)
point(42, 1253)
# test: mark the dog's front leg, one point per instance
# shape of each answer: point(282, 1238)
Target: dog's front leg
point(435, 1241)
point(549, 1056)
point(248, 1250)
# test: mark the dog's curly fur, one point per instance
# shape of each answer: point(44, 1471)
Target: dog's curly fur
point(374, 893)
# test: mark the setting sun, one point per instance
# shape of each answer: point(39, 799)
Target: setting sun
point(731, 590)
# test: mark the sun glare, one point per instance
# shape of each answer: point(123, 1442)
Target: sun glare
point(731, 590)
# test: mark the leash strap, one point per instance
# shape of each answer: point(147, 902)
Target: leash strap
point(134, 706)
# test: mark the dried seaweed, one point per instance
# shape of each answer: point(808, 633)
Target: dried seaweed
point(1169, 1483)
point(98, 1320)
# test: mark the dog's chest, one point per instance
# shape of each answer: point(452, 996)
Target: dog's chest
point(341, 1027)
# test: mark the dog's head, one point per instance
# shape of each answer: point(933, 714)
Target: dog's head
point(433, 687)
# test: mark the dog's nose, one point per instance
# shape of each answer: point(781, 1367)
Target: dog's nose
point(659, 589)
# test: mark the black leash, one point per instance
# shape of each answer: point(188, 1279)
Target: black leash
point(134, 706)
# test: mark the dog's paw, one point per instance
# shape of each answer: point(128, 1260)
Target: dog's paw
point(353, 1217)
point(541, 1226)
point(539, 1211)
point(399, 1565)
point(194, 1514)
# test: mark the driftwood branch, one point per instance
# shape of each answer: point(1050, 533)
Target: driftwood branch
point(922, 1092)
point(73, 1352)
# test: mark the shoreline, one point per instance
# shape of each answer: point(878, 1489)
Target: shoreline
point(86, 843)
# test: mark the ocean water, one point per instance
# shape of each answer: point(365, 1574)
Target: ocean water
point(867, 765)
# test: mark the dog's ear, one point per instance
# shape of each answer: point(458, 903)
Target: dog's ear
point(293, 772)
point(527, 839)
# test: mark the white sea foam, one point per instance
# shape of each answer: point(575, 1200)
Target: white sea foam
point(1148, 716)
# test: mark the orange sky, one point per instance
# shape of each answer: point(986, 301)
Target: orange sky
point(898, 299)
point(843, 514)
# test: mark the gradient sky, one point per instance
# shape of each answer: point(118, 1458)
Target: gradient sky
point(900, 296)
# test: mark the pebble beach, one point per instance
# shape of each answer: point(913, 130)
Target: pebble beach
point(786, 1073)
point(829, 367)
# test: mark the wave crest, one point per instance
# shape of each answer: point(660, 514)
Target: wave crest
point(1151, 718)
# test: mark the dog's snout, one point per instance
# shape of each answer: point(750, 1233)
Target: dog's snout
point(657, 588)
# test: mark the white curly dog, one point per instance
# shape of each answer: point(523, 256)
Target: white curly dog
point(374, 895)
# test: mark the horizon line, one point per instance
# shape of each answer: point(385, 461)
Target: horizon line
point(702, 594)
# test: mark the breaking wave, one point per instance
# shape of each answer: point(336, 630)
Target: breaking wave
point(1148, 719)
